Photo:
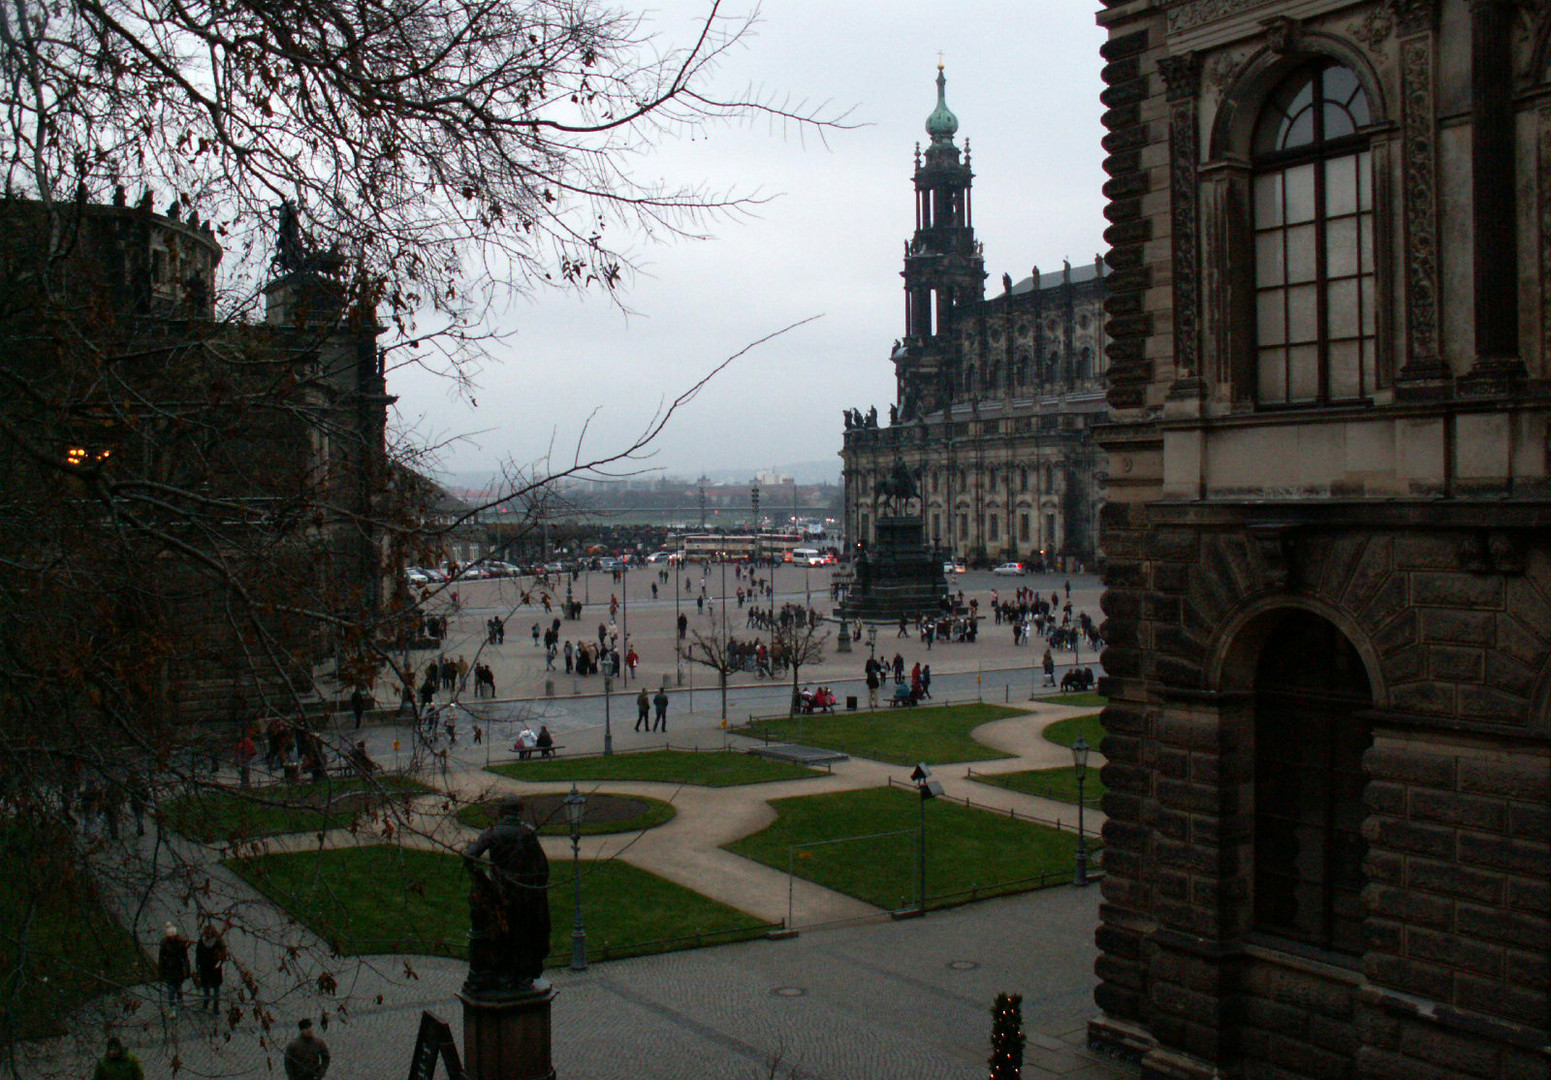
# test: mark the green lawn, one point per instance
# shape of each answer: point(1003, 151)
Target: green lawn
point(715, 768)
point(58, 946)
point(387, 899)
point(967, 850)
point(229, 814)
point(481, 815)
point(1065, 732)
point(902, 736)
point(1058, 783)
point(1061, 782)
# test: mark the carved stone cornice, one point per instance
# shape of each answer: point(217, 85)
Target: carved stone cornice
point(1188, 16)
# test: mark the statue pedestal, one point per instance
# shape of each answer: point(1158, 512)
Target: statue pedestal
point(507, 1038)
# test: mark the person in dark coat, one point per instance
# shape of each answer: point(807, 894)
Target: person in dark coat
point(172, 966)
point(209, 960)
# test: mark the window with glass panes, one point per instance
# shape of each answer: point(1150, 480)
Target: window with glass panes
point(1314, 249)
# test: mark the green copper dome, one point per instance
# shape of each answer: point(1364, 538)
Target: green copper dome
point(942, 124)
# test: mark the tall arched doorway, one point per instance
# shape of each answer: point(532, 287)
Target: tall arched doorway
point(1311, 692)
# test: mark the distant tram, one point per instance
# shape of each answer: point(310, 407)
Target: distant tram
point(715, 546)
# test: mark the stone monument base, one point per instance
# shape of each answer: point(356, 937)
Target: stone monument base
point(507, 1038)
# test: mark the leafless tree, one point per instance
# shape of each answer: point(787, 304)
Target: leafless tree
point(198, 531)
point(797, 642)
point(715, 652)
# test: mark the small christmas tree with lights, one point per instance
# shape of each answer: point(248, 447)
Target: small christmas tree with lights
point(1007, 1037)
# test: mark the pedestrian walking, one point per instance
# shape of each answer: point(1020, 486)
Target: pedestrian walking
point(926, 679)
point(209, 962)
point(307, 1058)
point(643, 708)
point(661, 702)
point(172, 966)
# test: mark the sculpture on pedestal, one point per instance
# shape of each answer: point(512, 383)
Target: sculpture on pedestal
point(508, 908)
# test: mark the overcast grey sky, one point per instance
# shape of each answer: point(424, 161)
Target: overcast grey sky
point(1023, 79)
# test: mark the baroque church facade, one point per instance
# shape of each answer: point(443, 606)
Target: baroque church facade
point(994, 398)
point(1328, 540)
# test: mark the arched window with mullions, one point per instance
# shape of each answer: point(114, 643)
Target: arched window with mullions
point(1314, 248)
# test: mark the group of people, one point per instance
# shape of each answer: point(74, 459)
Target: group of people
point(208, 969)
point(811, 701)
point(878, 672)
point(527, 742)
point(789, 615)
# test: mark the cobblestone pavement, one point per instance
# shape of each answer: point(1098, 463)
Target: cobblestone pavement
point(882, 999)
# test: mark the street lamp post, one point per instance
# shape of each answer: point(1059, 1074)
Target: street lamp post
point(575, 806)
point(678, 649)
point(929, 789)
point(872, 641)
point(1080, 765)
point(608, 727)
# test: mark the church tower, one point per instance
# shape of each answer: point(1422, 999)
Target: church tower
point(944, 269)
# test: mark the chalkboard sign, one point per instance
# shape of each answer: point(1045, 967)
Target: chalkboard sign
point(434, 1041)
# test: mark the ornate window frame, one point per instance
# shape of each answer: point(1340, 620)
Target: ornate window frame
point(1226, 227)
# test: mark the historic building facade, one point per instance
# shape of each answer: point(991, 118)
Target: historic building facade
point(1328, 539)
point(211, 495)
point(994, 398)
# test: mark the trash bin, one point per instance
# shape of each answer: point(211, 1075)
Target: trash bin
point(850, 703)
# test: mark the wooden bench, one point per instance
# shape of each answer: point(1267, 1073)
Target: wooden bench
point(544, 753)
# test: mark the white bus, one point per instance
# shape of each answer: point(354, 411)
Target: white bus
point(808, 557)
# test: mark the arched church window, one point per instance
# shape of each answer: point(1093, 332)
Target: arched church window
point(1314, 249)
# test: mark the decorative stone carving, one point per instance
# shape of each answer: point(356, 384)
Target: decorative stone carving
point(1182, 76)
point(1222, 71)
point(1189, 16)
point(1376, 26)
point(1420, 195)
point(1282, 34)
point(1416, 16)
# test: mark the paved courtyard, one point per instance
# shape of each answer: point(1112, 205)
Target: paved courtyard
point(854, 994)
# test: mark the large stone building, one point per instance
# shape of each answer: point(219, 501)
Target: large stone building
point(196, 506)
point(1328, 539)
point(994, 398)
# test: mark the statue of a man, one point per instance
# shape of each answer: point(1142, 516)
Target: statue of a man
point(508, 906)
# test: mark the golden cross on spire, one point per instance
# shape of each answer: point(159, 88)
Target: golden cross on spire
point(939, 59)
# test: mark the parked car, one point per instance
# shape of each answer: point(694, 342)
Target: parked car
point(657, 557)
point(1011, 569)
point(416, 576)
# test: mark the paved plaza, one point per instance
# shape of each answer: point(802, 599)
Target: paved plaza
point(853, 994)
